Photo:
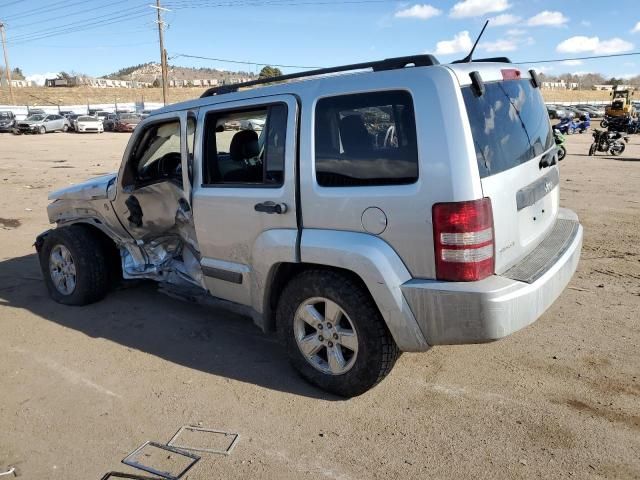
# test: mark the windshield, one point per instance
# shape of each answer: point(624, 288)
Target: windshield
point(35, 118)
point(509, 123)
point(88, 119)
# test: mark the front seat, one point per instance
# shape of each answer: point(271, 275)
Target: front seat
point(355, 138)
point(245, 146)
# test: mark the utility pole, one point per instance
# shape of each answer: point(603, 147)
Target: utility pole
point(6, 63)
point(163, 52)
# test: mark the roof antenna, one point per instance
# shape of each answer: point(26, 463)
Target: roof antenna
point(467, 59)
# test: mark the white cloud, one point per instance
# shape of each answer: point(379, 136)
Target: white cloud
point(503, 45)
point(514, 32)
point(472, 8)
point(421, 11)
point(636, 29)
point(582, 44)
point(547, 18)
point(573, 62)
point(585, 23)
point(461, 42)
point(615, 45)
point(39, 78)
point(504, 19)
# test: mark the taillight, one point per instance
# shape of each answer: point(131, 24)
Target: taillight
point(463, 239)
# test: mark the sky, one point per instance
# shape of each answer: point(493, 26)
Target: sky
point(98, 37)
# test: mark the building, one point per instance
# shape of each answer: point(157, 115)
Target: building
point(17, 83)
point(610, 88)
point(560, 85)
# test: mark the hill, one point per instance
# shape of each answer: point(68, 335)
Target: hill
point(148, 72)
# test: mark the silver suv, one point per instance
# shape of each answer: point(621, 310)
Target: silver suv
point(372, 213)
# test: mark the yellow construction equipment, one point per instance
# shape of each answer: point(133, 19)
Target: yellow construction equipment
point(621, 104)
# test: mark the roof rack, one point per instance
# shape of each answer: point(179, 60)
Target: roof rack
point(376, 66)
point(490, 59)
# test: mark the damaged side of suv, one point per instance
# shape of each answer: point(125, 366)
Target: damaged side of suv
point(144, 212)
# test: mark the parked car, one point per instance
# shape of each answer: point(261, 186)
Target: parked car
point(71, 118)
point(7, 120)
point(384, 211)
point(87, 124)
point(109, 122)
point(42, 124)
point(126, 122)
point(102, 115)
point(558, 112)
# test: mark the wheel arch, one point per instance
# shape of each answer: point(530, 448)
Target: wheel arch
point(97, 229)
point(366, 258)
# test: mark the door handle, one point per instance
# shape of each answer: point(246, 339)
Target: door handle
point(270, 207)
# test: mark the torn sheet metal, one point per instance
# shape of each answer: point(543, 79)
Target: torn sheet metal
point(229, 440)
point(183, 460)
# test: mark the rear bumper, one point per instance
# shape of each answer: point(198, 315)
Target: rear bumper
point(475, 312)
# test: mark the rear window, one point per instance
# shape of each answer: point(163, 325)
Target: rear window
point(509, 123)
point(366, 139)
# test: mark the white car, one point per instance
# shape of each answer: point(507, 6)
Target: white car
point(87, 124)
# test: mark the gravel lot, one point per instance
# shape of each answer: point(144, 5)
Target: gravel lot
point(82, 387)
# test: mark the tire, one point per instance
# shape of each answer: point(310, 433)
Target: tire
point(89, 259)
point(618, 151)
point(42, 130)
point(65, 128)
point(562, 152)
point(592, 149)
point(604, 123)
point(376, 351)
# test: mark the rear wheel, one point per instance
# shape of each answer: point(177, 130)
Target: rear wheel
point(334, 335)
point(618, 149)
point(74, 265)
point(562, 152)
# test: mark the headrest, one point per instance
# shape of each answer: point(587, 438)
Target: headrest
point(244, 145)
point(354, 135)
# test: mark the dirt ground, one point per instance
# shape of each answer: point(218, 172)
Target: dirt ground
point(83, 387)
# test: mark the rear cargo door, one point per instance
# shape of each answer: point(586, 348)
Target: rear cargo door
point(516, 158)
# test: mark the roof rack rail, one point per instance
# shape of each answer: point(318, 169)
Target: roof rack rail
point(493, 59)
point(376, 66)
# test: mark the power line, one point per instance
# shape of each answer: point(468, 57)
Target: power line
point(243, 62)
point(591, 57)
point(69, 14)
point(49, 8)
point(257, 3)
point(67, 26)
point(79, 28)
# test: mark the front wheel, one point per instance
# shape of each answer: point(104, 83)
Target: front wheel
point(42, 130)
point(592, 149)
point(74, 266)
point(604, 123)
point(334, 334)
point(562, 152)
point(65, 128)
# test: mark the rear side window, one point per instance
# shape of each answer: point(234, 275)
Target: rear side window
point(366, 139)
point(509, 123)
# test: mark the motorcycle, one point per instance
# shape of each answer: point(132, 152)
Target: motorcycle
point(566, 126)
point(560, 139)
point(584, 123)
point(608, 142)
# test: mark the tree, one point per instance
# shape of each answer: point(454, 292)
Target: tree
point(269, 72)
point(17, 74)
